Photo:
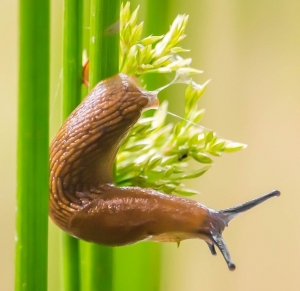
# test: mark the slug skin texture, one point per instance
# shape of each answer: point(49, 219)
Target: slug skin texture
point(85, 203)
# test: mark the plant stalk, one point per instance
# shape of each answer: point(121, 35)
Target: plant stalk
point(103, 58)
point(72, 81)
point(33, 147)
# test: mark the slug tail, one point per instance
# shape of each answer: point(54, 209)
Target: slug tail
point(229, 213)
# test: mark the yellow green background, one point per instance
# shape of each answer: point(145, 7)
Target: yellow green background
point(251, 52)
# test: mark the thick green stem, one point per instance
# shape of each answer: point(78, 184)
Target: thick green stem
point(103, 56)
point(104, 40)
point(72, 55)
point(137, 267)
point(72, 80)
point(156, 23)
point(33, 143)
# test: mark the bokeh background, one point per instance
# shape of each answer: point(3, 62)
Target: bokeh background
point(251, 52)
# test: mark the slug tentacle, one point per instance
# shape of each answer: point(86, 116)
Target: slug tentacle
point(221, 218)
point(220, 243)
point(230, 213)
point(83, 199)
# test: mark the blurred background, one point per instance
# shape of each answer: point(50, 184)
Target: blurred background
point(250, 51)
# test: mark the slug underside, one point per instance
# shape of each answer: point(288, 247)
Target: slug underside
point(83, 199)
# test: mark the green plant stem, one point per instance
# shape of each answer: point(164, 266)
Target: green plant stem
point(72, 55)
point(156, 23)
point(104, 40)
point(137, 267)
point(103, 56)
point(33, 144)
point(70, 263)
point(156, 18)
point(72, 80)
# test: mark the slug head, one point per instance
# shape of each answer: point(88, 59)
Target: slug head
point(131, 84)
point(217, 220)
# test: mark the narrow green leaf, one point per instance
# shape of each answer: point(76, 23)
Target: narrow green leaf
point(151, 39)
point(161, 60)
point(136, 33)
point(178, 49)
point(194, 141)
point(197, 116)
point(231, 147)
point(202, 158)
point(209, 137)
point(133, 18)
point(137, 147)
point(186, 191)
point(177, 129)
point(169, 188)
point(169, 171)
point(194, 174)
point(154, 163)
point(217, 147)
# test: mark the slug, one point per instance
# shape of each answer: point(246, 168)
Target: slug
point(84, 201)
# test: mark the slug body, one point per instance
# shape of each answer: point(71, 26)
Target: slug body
point(85, 203)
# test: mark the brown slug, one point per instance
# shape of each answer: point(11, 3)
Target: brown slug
point(85, 203)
